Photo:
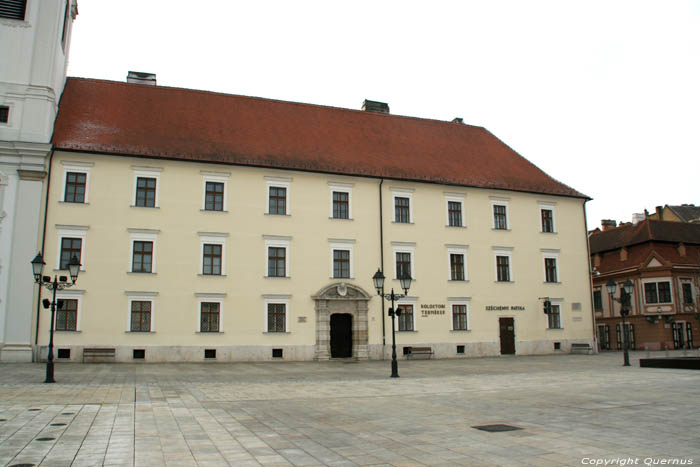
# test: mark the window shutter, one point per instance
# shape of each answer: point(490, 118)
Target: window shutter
point(13, 9)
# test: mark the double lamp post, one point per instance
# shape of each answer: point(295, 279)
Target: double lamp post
point(405, 281)
point(58, 283)
point(625, 302)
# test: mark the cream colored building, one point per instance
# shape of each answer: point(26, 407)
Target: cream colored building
point(234, 228)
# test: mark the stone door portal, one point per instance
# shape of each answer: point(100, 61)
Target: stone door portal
point(341, 299)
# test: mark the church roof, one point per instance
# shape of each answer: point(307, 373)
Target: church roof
point(109, 117)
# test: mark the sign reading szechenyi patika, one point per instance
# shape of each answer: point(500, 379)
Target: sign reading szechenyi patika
point(505, 308)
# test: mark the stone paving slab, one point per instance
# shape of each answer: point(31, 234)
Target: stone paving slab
point(572, 410)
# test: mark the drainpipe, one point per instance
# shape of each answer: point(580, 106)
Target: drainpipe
point(381, 260)
point(43, 244)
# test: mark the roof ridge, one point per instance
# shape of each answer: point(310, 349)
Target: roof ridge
point(281, 101)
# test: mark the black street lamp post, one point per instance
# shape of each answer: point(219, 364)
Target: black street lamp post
point(624, 301)
point(405, 280)
point(58, 283)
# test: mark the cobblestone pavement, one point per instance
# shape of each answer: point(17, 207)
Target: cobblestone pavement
point(571, 410)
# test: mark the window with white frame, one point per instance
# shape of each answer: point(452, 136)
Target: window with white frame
point(278, 195)
point(342, 266)
point(76, 181)
point(341, 200)
point(143, 250)
point(503, 257)
point(141, 311)
point(212, 251)
point(547, 219)
point(550, 259)
point(214, 190)
point(402, 202)
point(500, 209)
point(406, 321)
point(455, 209)
point(276, 313)
point(460, 313)
point(146, 186)
point(210, 312)
point(554, 316)
point(687, 290)
point(657, 291)
point(71, 242)
point(69, 310)
point(404, 261)
point(457, 258)
point(277, 255)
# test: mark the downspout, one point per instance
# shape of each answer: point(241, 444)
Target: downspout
point(590, 274)
point(43, 245)
point(381, 260)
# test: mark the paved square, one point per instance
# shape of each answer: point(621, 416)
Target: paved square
point(572, 409)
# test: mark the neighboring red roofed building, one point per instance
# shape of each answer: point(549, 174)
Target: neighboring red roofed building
point(663, 261)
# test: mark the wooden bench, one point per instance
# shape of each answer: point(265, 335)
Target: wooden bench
point(581, 348)
point(99, 353)
point(411, 351)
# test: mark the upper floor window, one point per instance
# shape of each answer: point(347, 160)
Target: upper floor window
point(75, 187)
point(687, 293)
point(278, 195)
point(277, 254)
point(214, 196)
point(401, 210)
point(211, 258)
point(71, 242)
point(341, 264)
point(457, 267)
point(550, 270)
point(70, 247)
point(341, 205)
point(454, 213)
point(142, 259)
point(403, 264)
point(13, 9)
point(503, 268)
point(547, 217)
point(146, 186)
point(500, 219)
point(657, 292)
point(4, 114)
point(597, 300)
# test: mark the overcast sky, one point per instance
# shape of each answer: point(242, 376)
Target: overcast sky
point(604, 96)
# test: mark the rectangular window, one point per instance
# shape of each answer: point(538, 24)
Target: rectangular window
point(406, 318)
point(597, 300)
point(278, 200)
point(4, 114)
point(276, 317)
point(75, 187)
point(276, 262)
point(547, 220)
point(341, 264)
point(459, 317)
point(402, 211)
point(140, 316)
point(503, 268)
point(687, 293)
point(67, 315)
point(403, 264)
point(657, 292)
point(456, 267)
point(500, 220)
point(454, 213)
point(142, 257)
point(341, 205)
point(214, 196)
point(550, 269)
point(70, 247)
point(209, 317)
point(146, 192)
point(211, 264)
point(554, 317)
point(13, 9)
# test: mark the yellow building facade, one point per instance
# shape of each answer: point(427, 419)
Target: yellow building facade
point(191, 260)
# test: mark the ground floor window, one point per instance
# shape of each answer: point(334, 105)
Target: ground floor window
point(67, 315)
point(406, 318)
point(459, 317)
point(630, 336)
point(276, 317)
point(209, 317)
point(140, 316)
point(604, 336)
point(554, 317)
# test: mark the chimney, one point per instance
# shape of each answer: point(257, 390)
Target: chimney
point(457, 120)
point(608, 224)
point(659, 213)
point(139, 77)
point(374, 106)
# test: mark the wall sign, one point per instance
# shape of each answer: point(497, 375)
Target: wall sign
point(432, 309)
point(505, 308)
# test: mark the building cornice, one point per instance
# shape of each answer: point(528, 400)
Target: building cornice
point(24, 156)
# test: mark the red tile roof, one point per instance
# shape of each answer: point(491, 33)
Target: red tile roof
point(172, 123)
point(637, 255)
point(645, 231)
